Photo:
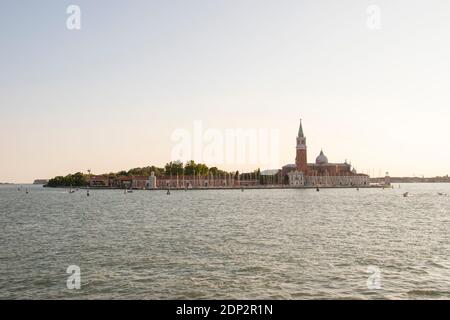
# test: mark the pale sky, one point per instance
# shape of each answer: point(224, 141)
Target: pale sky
point(109, 96)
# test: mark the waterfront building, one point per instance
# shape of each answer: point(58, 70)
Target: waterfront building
point(134, 182)
point(201, 181)
point(99, 181)
point(296, 179)
point(139, 182)
point(322, 172)
point(271, 177)
point(222, 180)
point(123, 182)
point(387, 179)
point(152, 181)
point(175, 182)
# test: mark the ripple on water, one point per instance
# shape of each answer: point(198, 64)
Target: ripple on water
point(260, 244)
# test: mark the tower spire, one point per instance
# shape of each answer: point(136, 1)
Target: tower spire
point(300, 130)
point(301, 158)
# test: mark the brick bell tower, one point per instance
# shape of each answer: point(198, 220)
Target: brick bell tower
point(301, 161)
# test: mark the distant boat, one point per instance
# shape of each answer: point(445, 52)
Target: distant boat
point(406, 194)
point(168, 191)
point(442, 193)
point(317, 189)
point(26, 191)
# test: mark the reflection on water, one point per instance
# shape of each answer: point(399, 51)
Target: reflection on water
point(222, 244)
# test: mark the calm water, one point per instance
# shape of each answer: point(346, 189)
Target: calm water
point(257, 244)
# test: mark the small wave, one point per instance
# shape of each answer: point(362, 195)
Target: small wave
point(426, 292)
point(251, 269)
point(441, 265)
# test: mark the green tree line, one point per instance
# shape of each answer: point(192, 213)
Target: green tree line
point(75, 180)
point(171, 169)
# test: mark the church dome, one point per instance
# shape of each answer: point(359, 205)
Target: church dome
point(321, 159)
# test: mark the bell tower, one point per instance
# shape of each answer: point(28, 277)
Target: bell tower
point(301, 158)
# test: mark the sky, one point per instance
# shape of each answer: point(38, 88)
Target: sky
point(110, 95)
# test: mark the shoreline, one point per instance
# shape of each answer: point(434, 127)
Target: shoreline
point(233, 188)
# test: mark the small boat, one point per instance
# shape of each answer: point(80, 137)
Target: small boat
point(168, 191)
point(87, 193)
point(130, 191)
point(406, 194)
point(317, 189)
point(442, 193)
point(26, 191)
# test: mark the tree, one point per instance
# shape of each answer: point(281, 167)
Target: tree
point(122, 173)
point(214, 171)
point(173, 168)
point(170, 169)
point(201, 169)
point(189, 168)
point(72, 180)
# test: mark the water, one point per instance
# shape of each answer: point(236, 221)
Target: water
point(227, 244)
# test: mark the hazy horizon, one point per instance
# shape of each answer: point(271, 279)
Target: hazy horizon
point(109, 96)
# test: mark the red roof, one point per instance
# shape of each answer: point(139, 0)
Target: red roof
point(139, 177)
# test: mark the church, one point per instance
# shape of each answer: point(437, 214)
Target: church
point(322, 173)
